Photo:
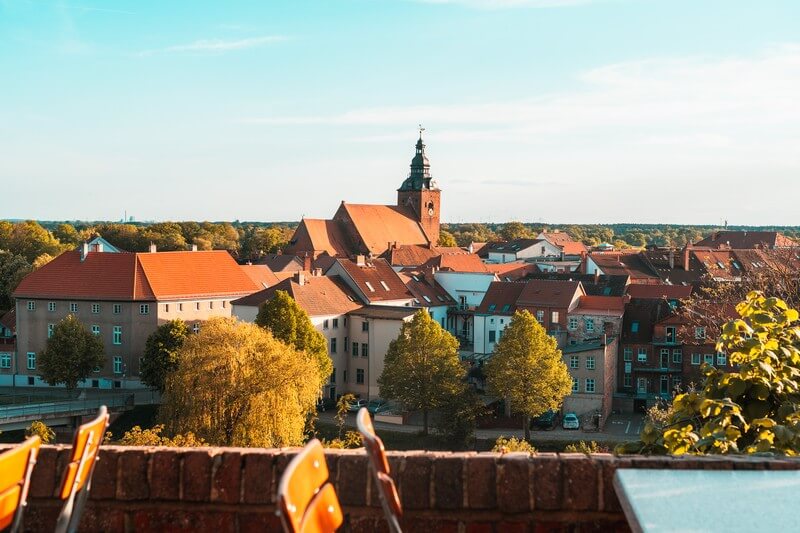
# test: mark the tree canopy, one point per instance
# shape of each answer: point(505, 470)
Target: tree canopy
point(161, 353)
point(527, 369)
point(446, 239)
point(237, 385)
point(72, 353)
point(421, 368)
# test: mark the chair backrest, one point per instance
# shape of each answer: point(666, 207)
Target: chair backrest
point(85, 446)
point(390, 499)
point(307, 502)
point(16, 466)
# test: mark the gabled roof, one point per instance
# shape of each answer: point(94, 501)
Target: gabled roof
point(378, 225)
point(549, 293)
point(640, 317)
point(318, 295)
point(427, 294)
point(512, 271)
point(457, 263)
point(376, 279)
point(565, 242)
point(261, 275)
point(747, 239)
point(624, 264)
point(720, 264)
point(601, 305)
point(281, 262)
point(594, 285)
point(9, 320)
point(319, 236)
point(412, 255)
point(500, 298)
point(510, 247)
point(138, 276)
point(658, 292)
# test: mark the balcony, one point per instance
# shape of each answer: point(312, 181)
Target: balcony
point(667, 340)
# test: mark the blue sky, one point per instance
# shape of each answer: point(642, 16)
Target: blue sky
point(662, 111)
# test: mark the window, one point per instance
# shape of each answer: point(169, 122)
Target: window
point(664, 384)
point(628, 367)
point(364, 349)
point(224, 304)
point(676, 383)
point(626, 380)
point(196, 327)
point(572, 323)
point(95, 329)
point(384, 285)
point(670, 333)
point(492, 307)
point(333, 375)
point(325, 324)
point(642, 355)
point(641, 385)
point(575, 386)
point(117, 309)
point(51, 306)
point(695, 358)
point(50, 328)
point(553, 317)
point(590, 325)
point(721, 359)
point(117, 335)
point(574, 361)
point(144, 309)
point(31, 305)
point(360, 376)
point(95, 309)
point(365, 326)
point(589, 384)
point(506, 307)
point(634, 327)
point(369, 286)
point(5, 360)
point(180, 307)
point(117, 364)
point(335, 323)
point(333, 345)
point(344, 376)
point(211, 305)
point(492, 335)
point(73, 308)
point(540, 316)
point(31, 360)
point(197, 306)
point(590, 362)
point(355, 349)
point(677, 356)
point(708, 358)
point(699, 333)
point(166, 308)
point(627, 354)
point(346, 345)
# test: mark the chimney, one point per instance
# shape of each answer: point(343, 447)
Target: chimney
point(153, 248)
point(84, 250)
point(360, 260)
point(584, 263)
point(428, 275)
point(194, 247)
point(317, 272)
point(300, 278)
point(671, 258)
point(471, 248)
point(596, 276)
point(605, 339)
point(686, 250)
point(307, 262)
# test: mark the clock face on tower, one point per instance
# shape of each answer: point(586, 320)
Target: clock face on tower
point(430, 211)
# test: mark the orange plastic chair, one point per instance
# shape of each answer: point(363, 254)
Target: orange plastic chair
point(307, 502)
point(78, 475)
point(16, 466)
point(390, 500)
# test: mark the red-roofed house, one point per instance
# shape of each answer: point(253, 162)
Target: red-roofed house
point(122, 297)
point(415, 255)
point(747, 239)
point(373, 280)
point(562, 239)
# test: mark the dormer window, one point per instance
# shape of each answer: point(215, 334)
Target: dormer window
point(384, 285)
point(369, 286)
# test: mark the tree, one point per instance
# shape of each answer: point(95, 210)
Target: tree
point(446, 239)
point(31, 240)
point(237, 385)
point(72, 353)
point(755, 409)
point(41, 261)
point(41, 429)
point(289, 323)
point(458, 417)
point(67, 234)
point(12, 269)
point(161, 353)
point(514, 230)
point(527, 369)
point(421, 367)
point(153, 437)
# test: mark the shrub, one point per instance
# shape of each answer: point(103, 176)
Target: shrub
point(513, 444)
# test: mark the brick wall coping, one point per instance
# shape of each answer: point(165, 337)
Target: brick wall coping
point(233, 489)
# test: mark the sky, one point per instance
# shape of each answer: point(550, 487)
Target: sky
point(555, 111)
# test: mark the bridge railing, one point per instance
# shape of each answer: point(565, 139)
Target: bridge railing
point(64, 407)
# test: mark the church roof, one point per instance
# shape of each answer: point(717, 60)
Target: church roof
point(378, 225)
point(318, 235)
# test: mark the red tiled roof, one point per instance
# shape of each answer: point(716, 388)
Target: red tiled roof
point(747, 239)
point(720, 264)
point(9, 319)
point(501, 297)
point(378, 225)
point(385, 283)
point(139, 276)
point(421, 288)
point(412, 255)
point(282, 262)
point(514, 270)
point(458, 263)
point(261, 275)
point(319, 236)
point(567, 244)
point(549, 293)
point(630, 264)
point(608, 305)
point(670, 292)
point(318, 295)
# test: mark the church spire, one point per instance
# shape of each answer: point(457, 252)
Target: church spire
point(420, 176)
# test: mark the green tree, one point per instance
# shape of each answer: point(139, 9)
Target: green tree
point(31, 240)
point(289, 323)
point(161, 353)
point(514, 230)
point(421, 367)
point(752, 410)
point(72, 353)
point(41, 429)
point(446, 239)
point(67, 234)
point(458, 417)
point(527, 369)
point(342, 408)
point(237, 385)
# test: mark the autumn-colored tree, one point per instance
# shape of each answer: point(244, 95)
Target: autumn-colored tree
point(421, 368)
point(13, 268)
point(42, 430)
point(446, 239)
point(527, 369)
point(72, 353)
point(514, 230)
point(237, 385)
point(161, 353)
point(290, 323)
point(67, 234)
point(137, 436)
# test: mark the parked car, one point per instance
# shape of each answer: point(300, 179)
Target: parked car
point(376, 406)
point(323, 404)
point(547, 420)
point(571, 421)
point(356, 405)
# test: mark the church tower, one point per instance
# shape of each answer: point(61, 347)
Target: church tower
point(420, 194)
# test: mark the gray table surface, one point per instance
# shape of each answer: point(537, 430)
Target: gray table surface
point(657, 500)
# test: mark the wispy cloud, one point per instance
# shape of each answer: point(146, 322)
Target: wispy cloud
point(219, 45)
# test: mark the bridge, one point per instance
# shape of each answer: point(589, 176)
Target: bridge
point(60, 412)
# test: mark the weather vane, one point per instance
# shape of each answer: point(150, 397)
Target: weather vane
point(421, 129)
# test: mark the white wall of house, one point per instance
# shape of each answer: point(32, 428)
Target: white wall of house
point(498, 257)
point(591, 266)
point(469, 287)
point(378, 335)
point(484, 324)
point(540, 249)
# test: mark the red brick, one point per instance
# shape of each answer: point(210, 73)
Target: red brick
point(783, 464)
point(480, 527)
point(226, 483)
point(196, 475)
point(580, 482)
point(97, 517)
point(132, 473)
point(351, 479)
point(551, 527)
point(104, 479)
point(165, 474)
point(513, 484)
point(368, 524)
point(700, 462)
point(259, 522)
point(415, 482)
point(481, 482)
point(448, 482)
point(282, 460)
point(174, 521)
point(257, 482)
point(513, 527)
point(44, 482)
point(607, 495)
point(546, 478)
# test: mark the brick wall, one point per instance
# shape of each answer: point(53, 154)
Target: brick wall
point(233, 489)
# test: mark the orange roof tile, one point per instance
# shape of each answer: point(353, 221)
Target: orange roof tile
point(319, 236)
point(318, 295)
point(261, 275)
point(376, 279)
point(606, 305)
point(458, 263)
point(669, 292)
point(378, 225)
point(412, 255)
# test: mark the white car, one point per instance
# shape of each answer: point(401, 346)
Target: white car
point(356, 405)
point(571, 421)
